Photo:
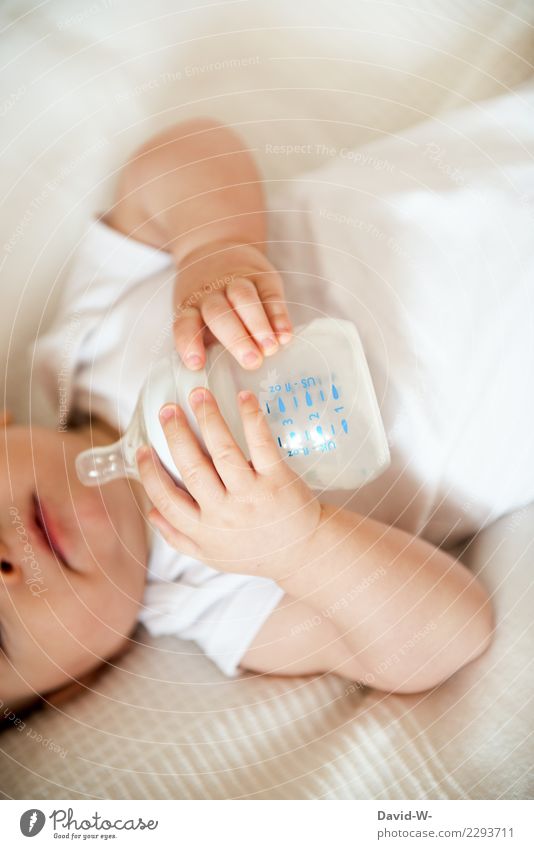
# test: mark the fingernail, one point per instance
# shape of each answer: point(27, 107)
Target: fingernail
point(167, 413)
point(244, 396)
point(283, 331)
point(250, 358)
point(193, 361)
point(155, 523)
point(269, 343)
point(198, 396)
point(142, 453)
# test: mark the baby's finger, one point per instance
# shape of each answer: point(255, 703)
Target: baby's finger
point(263, 451)
point(176, 539)
point(243, 296)
point(188, 327)
point(271, 291)
point(175, 505)
point(223, 322)
point(228, 459)
point(196, 469)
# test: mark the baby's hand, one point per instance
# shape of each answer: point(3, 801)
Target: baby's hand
point(234, 293)
point(256, 518)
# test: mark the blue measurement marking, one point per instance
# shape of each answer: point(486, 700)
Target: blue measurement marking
point(332, 428)
point(321, 393)
point(268, 408)
point(319, 430)
point(279, 443)
point(281, 406)
point(292, 434)
point(335, 393)
point(295, 400)
point(309, 401)
point(344, 425)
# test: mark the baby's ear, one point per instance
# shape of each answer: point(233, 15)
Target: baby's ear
point(5, 418)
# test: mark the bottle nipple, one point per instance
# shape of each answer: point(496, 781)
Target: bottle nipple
point(98, 466)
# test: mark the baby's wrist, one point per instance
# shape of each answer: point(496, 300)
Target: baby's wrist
point(302, 562)
point(229, 252)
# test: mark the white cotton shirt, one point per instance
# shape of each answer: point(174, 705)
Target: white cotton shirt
point(426, 242)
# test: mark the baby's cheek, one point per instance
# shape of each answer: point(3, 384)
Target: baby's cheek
point(58, 641)
point(117, 615)
point(91, 505)
point(99, 623)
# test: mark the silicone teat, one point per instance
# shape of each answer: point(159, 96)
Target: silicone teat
point(97, 466)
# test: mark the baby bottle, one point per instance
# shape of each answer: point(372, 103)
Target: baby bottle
point(316, 393)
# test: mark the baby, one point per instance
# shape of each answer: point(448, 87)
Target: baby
point(262, 573)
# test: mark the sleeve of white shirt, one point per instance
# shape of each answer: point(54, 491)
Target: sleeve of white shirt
point(221, 611)
point(114, 284)
point(105, 268)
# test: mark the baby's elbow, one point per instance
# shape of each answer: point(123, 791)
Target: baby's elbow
point(471, 637)
point(473, 634)
point(449, 649)
point(467, 635)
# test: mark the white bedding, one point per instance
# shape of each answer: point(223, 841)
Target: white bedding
point(83, 84)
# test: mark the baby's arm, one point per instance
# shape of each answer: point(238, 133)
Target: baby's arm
point(194, 190)
point(193, 184)
point(363, 599)
point(376, 605)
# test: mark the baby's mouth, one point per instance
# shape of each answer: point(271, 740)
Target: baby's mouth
point(45, 530)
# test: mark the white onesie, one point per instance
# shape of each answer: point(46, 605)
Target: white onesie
point(426, 242)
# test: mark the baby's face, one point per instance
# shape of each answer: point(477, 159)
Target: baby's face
point(73, 563)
